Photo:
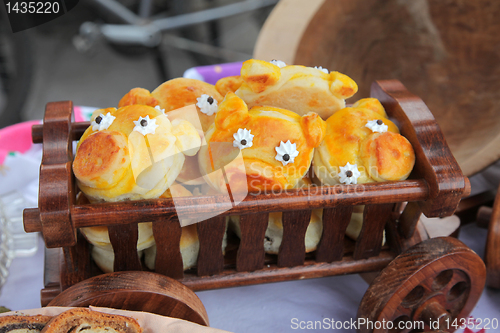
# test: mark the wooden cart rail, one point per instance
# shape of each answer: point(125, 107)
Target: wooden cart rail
point(435, 188)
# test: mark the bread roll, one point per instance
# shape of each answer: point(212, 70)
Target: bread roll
point(173, 96)
point(133, 152)
point(228, 84)
point(378, 156)
point(296, 88)
point(265, 148)
point(375, 153)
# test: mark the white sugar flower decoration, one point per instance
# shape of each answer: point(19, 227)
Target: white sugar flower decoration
point(377, 126)
point(160, 109)
point(286, 152)
point(349, 174)
point(243, 138)
point(145, 125)
point(278, 63)
point(324, 70)
point(207, 104)
point(102, 122)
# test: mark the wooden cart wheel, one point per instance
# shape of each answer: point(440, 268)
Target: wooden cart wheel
point(444, 51)
point(436, 281)
point(136, 291)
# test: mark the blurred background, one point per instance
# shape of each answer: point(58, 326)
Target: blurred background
point(69, 59)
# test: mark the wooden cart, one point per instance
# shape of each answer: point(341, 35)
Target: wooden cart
point(436, 279)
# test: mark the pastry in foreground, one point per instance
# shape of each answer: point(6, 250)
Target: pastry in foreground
point(274, 147)
point(361, 146)
point(23, 324)
point(134, 152)
point(82, 319)
point(296, 88)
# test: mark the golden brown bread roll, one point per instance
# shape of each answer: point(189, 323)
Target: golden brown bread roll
point(276, 147)
point(133, 152)
point(173, 96)
point(138, 96)
point(296, 88)
point(350, 147)
point(353, 153)
point(228, 84)
point(180, 92)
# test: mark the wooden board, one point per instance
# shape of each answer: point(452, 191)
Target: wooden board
point(444, 51)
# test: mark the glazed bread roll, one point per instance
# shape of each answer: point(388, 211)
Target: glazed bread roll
point(228, 84)
point(362, 142)
point(133, 152)
point(173, 96)
point(274, 231)
point(23, 324)
point(138, 96)
point(82, 319)
point(296, 88)
point(265, 148)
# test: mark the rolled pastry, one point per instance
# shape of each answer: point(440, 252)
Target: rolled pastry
point(296, 88)
point(133, 152)
point(82, 319)
point(264, 148)
point(171, 97)
point(364, 143)
point(23, 323)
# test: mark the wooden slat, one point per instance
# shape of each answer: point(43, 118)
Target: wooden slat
point(75, 263)
point(168, 260)
point(370, 238)
point(293, 250)
point(331, 245)
point(210, 234)
point(251, 253)
point(409, 219)
point(124, 241)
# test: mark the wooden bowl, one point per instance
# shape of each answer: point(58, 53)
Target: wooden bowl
point(444, 51)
